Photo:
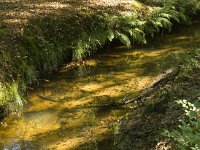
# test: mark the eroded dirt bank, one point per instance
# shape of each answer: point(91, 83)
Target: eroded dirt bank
point(142, 129)
point(65, 111)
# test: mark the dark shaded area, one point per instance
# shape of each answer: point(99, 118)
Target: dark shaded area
point(143, 129)
point(2, 113)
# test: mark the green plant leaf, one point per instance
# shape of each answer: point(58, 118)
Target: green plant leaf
point(123, 38)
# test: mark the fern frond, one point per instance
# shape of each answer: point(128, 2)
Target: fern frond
point(165, 15)
point(79, 50)
point(123, 38)
point(139, 35)
point(183, 17)
point(110, 35)
point(166, 24)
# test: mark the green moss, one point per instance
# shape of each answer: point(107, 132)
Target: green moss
point(10, 97)
point(47, 41)
point(4, 32)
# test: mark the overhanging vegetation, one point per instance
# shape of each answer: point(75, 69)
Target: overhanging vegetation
point(45, 42)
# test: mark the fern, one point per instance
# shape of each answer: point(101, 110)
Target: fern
point(166, 23)
point(162, 18)
point(139, 35)
point(110, 35)
point(123, 38)
point(79, 50)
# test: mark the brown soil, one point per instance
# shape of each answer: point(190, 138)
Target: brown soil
point(142, 130)
point(17, 12)
point(15, 15)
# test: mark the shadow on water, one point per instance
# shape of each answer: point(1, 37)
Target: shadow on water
point(65, 112)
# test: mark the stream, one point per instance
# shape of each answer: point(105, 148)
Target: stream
point(66, 110)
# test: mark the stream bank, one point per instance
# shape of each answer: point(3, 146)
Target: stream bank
point(63, 112)
point(39, 36)
point(143, 128)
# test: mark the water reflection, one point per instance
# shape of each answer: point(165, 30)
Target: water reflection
point(66, 113)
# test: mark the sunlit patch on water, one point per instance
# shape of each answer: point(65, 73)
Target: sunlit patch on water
point(67, 113)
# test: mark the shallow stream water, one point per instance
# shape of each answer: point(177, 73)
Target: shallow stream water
point(67, 110)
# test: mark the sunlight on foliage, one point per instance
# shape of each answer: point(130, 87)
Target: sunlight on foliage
point(45, 42)
point(188, 134)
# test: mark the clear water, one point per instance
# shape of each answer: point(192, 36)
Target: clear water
point(65, 111)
